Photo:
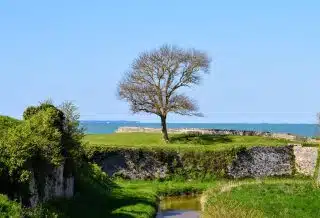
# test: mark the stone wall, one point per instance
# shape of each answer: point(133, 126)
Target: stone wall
point(287, 136)
point(254, 162)
point(263, 161)
point(137, 164)
point(162, 164)
point(305, 159)
point(56, 185)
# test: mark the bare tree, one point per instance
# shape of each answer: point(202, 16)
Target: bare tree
point(155, 77)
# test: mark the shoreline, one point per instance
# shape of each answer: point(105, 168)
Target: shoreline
point(303, 130)
point(214, 131)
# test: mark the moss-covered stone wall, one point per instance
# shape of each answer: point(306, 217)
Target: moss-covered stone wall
point(237, 163)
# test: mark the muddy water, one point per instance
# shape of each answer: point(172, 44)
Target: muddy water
point(182, 206)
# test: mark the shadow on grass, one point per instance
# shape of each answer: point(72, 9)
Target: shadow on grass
point(201, 139)
point(96, 195)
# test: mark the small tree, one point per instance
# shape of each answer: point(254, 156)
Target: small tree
point(155, 77)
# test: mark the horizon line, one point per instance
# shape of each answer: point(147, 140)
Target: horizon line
point(156, 122)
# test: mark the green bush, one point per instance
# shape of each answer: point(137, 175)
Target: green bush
point(6, 123)
point(45, 139)
point(9, 209)
point(58, 120)
point(36, 139)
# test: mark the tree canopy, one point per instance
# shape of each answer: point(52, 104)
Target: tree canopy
point(154, 82)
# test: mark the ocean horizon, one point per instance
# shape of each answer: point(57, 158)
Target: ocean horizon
point(108, 126)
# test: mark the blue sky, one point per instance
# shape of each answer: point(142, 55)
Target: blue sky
point(265, 55)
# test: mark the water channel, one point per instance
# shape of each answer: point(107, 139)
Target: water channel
point(187, 206)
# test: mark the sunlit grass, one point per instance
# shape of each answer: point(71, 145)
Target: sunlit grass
point(179, 141)
point(167, 188)
point(263, 198)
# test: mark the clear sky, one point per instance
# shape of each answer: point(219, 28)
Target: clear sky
point(266, 55)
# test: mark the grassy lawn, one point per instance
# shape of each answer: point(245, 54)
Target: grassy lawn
point(273, 198)
point(167, 188)
point(131, 203)
point(179, 141)
point(244, 198)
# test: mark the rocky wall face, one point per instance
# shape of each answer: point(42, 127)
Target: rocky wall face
point(253, 162)
point(263, 161)
point(305, 159)
point(56, 185)
point(153, 164)
point(136, 164)
point(33, 189)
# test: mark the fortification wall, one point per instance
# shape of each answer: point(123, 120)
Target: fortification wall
point(56, 184)
point(287, 160)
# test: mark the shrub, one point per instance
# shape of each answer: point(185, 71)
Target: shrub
point(45, 139)
point(6, 123)
point(58, 120)
point(9, 208)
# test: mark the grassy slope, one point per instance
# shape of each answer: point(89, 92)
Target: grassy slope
point(269, 198)
point(98, 196)
point(146, 189)
point(154, 140)
point(273, 198)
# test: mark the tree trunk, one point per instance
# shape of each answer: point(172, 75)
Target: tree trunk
point(164, 128)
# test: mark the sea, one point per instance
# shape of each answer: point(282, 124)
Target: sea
point(107, 127)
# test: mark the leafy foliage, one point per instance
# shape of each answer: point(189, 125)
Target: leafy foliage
point(47, 137)
point(72, 134)
point(7, 122)
point(33, 110)
point(9, 208)
point(37, 138)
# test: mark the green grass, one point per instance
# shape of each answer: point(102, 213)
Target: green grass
point(271, 198)
point(179, 141)
point(98, 196)
point(152, 190)
point(167, 188)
